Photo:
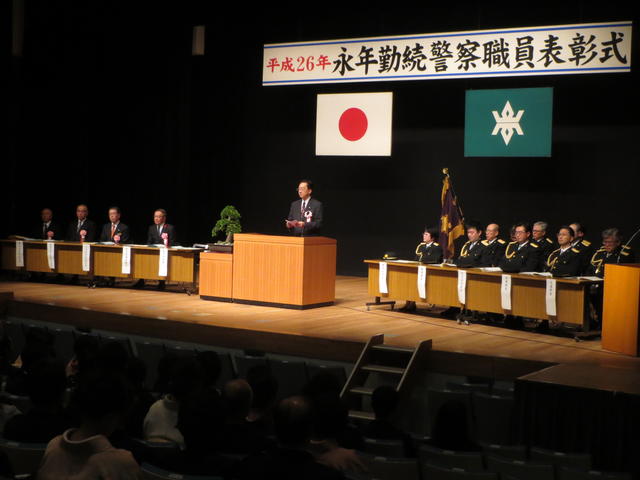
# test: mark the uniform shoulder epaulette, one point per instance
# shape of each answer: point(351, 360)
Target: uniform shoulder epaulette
point(586, 243)
point(534, 245)
point(436, 244)
point(626, 247)
point(626, 254)
point(501, 241)
point(575, 250)
point(485, 242)
point(548, 240)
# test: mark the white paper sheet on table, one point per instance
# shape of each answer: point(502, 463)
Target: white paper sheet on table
point(382, 278)
point(19, 253)
point(422, 281)
point(462, 286)
point(551, 297)
point(51, 255)
point(86, 257)
point(163, 262)
point(126, 260)
point(505, 292)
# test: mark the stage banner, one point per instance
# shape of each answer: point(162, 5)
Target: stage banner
point(508, 123)
point(546, 50)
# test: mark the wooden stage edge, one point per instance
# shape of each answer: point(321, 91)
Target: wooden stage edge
point(336, 332)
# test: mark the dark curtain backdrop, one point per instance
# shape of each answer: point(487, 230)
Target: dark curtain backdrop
point(107, 106)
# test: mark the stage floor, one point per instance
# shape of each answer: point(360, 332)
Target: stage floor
point(334, 333)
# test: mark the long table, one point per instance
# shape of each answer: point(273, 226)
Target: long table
point(483, 291)
point(105, 260)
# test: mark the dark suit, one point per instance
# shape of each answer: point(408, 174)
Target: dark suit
point(601, 258)
point(470, 255)
point(525, 259)
point(154, 237)
point(312, 217)
point(492, 252)
point(565, 264)
point(73, 232)
point(121, 229)
point(430, 254)
point(41, 233)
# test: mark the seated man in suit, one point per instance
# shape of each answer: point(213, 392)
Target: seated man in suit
point(159, 233)
point(471, 251)
point(545, 244)
point(115, 231)
point(521, 255)
point(160, 230)
point(494, 246)
point(83, 229)
point(48, 228)
point(585, 247)
point(305, 215)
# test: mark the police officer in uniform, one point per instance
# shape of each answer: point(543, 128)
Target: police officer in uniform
point(429, 251)
point(494, 246)
point(586, 248)
point(565, 261)
point(546, 245)
point(472, 249)
point(612, 251)
point(521, 255)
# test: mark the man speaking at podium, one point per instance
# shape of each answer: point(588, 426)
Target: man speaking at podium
point(305, 215)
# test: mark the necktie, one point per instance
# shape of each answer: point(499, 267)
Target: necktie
point(79, 225)
point(44, 230)
point(113, 229)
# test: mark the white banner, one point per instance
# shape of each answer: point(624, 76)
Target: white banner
point(505, 292)
point(86, 257)
point(19, 253)
point(547, 50)
point(551, 297)
point(382, 278)
point(422, 281)
point(51, 255)
point(163, 262)
point(126, 260)
point(462, 286)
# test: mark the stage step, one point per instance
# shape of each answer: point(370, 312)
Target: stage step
point(378, 360)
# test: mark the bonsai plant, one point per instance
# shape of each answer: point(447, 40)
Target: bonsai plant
point(229, 224)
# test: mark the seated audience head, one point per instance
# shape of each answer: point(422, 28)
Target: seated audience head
point(264, 387)
point(293, 422)
point(430, 234)
point(330, 417)
point(85, 351)
point(321, 383)
point(103, 400)
point(185, 378)
point(384, 401)
point(200, 420)
point(38, 346)
point(539, 230)
point(611, 239)
point(47, 382)
point(451, 427)
point(492, 231)
point(237, 396)
point(113, 356)
point(565, 236)
point(210, 362)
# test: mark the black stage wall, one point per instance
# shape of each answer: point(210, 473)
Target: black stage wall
point(107, 106)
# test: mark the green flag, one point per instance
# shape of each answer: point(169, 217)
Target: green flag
point(508, 123)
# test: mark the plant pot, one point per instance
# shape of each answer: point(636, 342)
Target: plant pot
point(221, 248)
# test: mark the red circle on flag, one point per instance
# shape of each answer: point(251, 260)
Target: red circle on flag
point(353, 124)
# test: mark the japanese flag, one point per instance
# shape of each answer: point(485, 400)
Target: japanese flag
point(354, 124)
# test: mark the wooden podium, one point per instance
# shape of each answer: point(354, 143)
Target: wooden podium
point(621, 308)
point(284, 271)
